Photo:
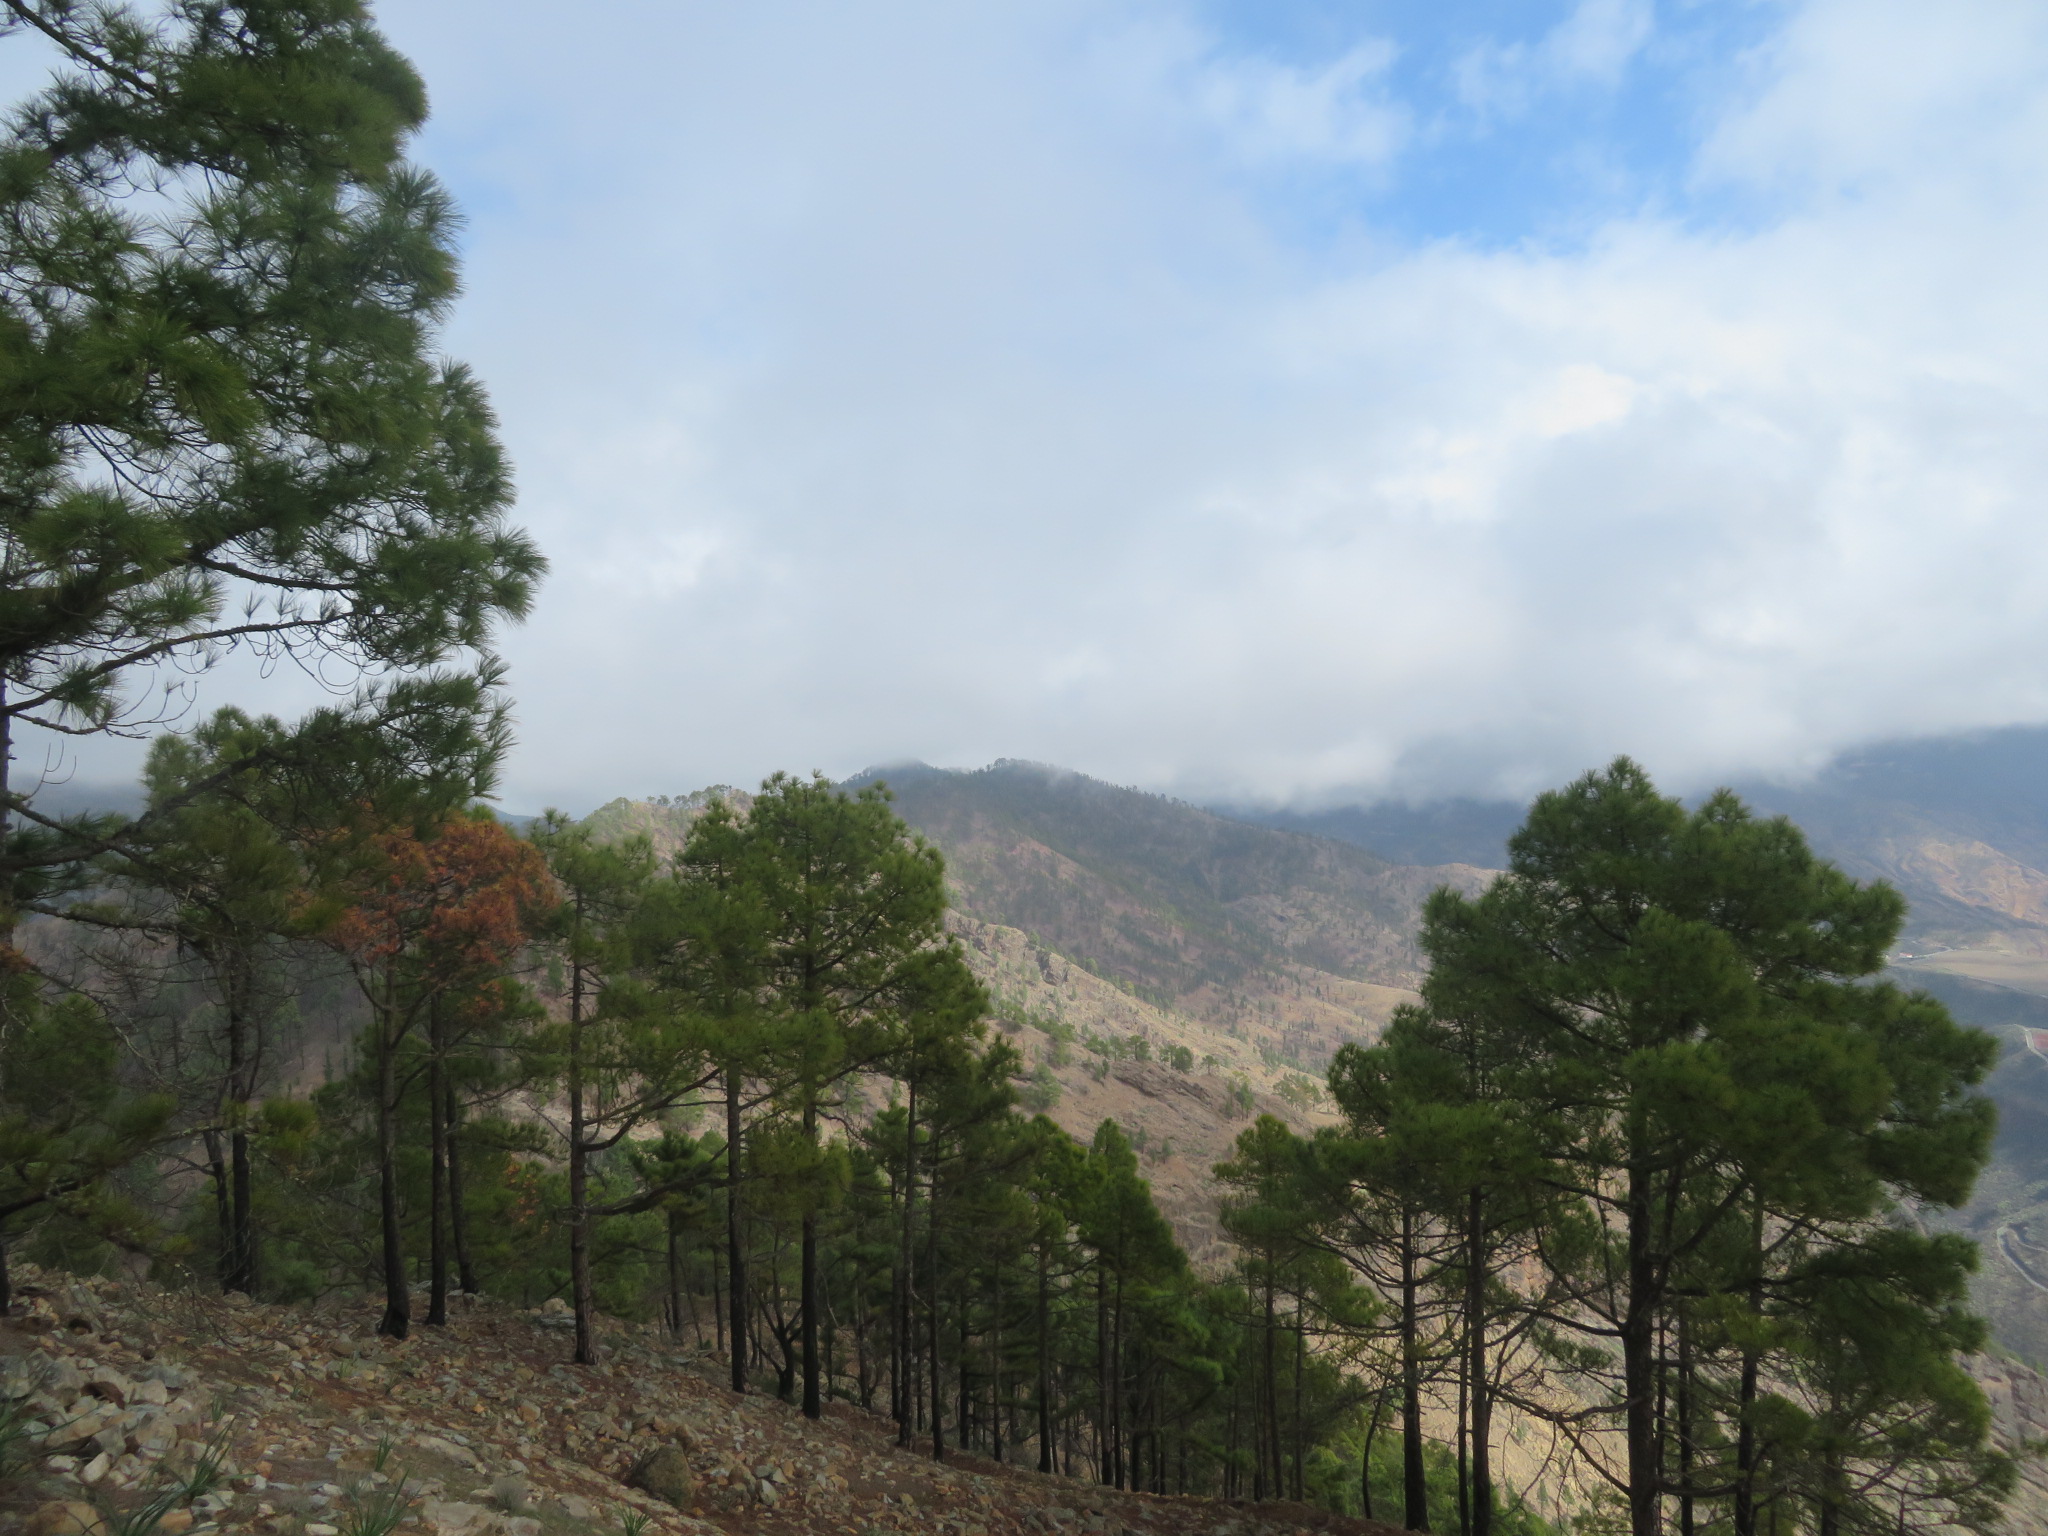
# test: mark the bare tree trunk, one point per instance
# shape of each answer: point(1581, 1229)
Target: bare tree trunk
point(862, 1363)
point(1372, 1429)
point(1045, 1448)
point(1685, 1494)
point(1414, 1475)
point(807, 1267)
point(223, 1212)
point(675, 1282)
point(1116, 1385)
point(1300, 1369)
point(1639, 1367)
point(938, 1377)
point(963, 1419)
point(1102, 1408)
point(995, 1361)
point(241, 1235)
point(1745, 1434)
point(735, 1246)
point(1479, 1386)
point(247, 1268)
point(579, 1172)
point(437, 1175)
point(458, 1207)
point(397, 1319)
point(717, 1309)
point(904, 1340)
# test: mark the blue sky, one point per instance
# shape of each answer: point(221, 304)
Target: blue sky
point(1300, 399)
point(1519, 122)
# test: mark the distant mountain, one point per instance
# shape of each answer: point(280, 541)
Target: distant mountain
point(1959, 824)
point(1183, 904)
point(1460, 831)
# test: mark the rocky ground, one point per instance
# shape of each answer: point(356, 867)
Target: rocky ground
point(133, 1405)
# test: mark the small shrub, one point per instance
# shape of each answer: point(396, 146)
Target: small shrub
point(370, 1511)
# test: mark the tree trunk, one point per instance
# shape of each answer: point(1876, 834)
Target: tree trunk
point(675, 1281)
point(241, 1234)
point(1414, 1475)
point(1101, 1373)
point(904, 1340)
point(397, 1319)
point(223, 1212)
point(1269, 1402)
point(437, 1175)
point(735, 1248)
point(1300, 1369)
point(807, 1300)
point(1117, 1455)
point(1480, 1383)
point(1045, 1448)
point(579, 1171)
point(864, 1378)
point(458, 1206)
point(938, 1377)
point(1832, 1495)
point(1685, 1494)
point(963, 1419)
point(1745, 1434)
point(1462, 1420)
point(995, 1362)
point(1372, 1429)
point(1639, 1365)
point(247, 1268)
point(717, 1308)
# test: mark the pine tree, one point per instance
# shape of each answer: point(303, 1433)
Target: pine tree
point(853, 906)
point(627, 1050)
point(227, 423)
point(1688, 997)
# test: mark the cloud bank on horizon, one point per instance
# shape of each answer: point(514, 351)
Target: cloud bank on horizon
point(1269, 399)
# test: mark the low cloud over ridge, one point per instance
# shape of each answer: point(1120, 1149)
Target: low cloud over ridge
point(1076, 382)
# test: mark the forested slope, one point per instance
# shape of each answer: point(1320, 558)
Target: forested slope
point(1155, 963)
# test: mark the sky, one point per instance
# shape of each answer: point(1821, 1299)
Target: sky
point(1297, 400)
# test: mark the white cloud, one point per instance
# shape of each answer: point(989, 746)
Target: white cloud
point(1591, 45)
point(931, 380)
point(1337, 112)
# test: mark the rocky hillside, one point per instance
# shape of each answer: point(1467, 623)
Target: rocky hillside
point(126, 1410)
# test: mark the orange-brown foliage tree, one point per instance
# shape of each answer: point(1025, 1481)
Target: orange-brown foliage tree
point(431, 926)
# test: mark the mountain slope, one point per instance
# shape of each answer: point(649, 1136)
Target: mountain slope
point(1243, 927)
point(1155, 963)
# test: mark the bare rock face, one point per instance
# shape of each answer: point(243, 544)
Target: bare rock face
point(665, 1473)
